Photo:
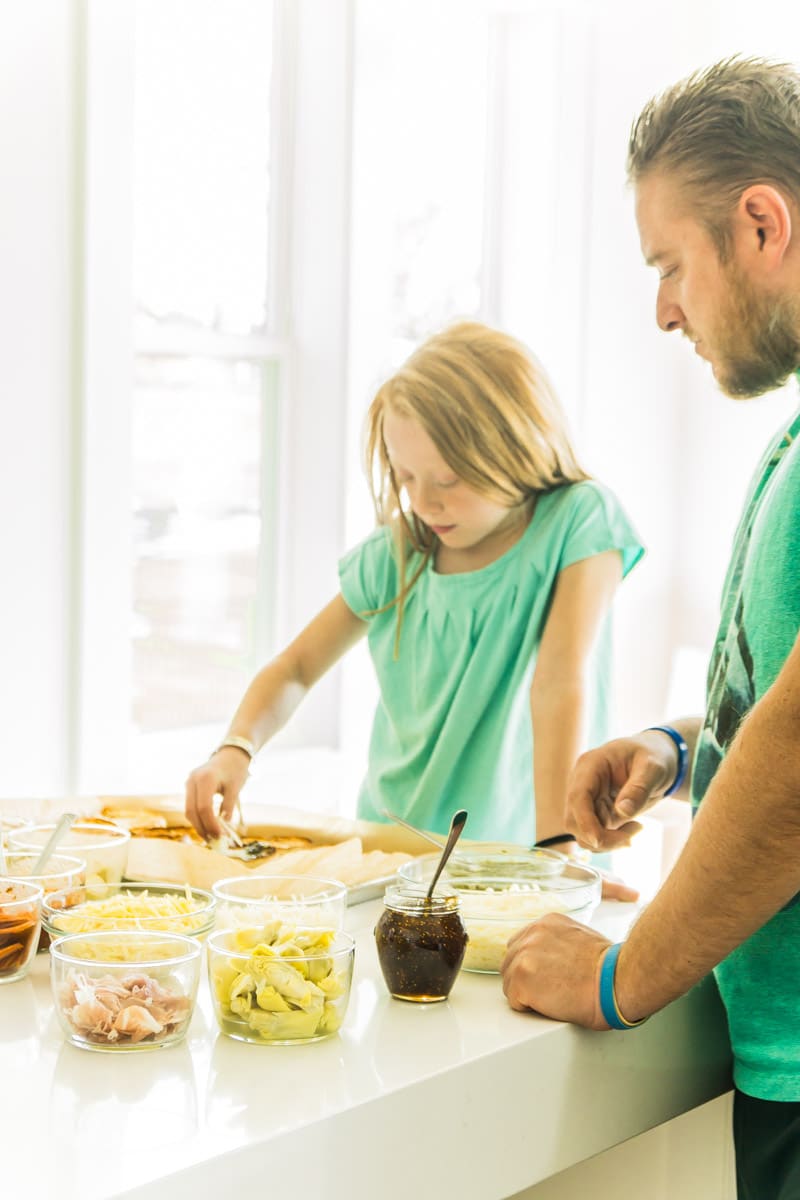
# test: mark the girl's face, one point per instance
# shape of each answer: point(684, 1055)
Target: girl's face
point(460, 517)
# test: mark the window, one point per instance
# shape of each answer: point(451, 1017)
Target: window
point(183, 170)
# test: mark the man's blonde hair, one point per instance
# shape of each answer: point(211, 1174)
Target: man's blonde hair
point(731, 125)
point(489, 408)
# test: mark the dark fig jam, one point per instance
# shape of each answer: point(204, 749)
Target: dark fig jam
point(420, 943)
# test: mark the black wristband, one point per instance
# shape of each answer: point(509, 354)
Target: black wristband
point(556, 840)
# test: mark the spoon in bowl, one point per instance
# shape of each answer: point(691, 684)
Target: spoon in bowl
point(62, 825)
point(429, 837)
point(456, 826)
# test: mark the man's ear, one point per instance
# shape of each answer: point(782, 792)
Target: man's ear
point(763, 222)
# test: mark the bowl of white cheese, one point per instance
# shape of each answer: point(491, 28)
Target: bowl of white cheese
point(499, 895)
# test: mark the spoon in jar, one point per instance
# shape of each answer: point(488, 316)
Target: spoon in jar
point(62, 825)
point(456, 826)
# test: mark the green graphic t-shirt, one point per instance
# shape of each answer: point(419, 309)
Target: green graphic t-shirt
point(760, 618)
point(453, 726)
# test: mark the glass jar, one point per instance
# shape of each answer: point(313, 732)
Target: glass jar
point(420, 942)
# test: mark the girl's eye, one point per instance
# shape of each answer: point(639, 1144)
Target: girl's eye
point(666, 274)
point(448, 483)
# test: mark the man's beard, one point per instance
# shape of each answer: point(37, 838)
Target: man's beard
point(758, 347)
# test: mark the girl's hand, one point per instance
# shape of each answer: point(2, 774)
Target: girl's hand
point(612, 887)
point(223, 775)
point(615, 782)
point(615, 889)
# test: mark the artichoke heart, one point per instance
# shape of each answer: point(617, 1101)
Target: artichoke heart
point(270, 999)
point(284, 1025)
point(330, 1020)
point(300, 992)
point(242, 1005)
point(332, 985)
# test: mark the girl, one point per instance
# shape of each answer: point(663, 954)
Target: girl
point(484, 592)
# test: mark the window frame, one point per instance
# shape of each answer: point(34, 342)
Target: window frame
point(301, 352)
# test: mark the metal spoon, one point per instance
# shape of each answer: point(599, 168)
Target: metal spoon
point(62, 825)
point(456, 826)
point(429, 837)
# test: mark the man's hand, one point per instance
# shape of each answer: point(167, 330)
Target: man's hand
point(553, 967)
point(615, 782)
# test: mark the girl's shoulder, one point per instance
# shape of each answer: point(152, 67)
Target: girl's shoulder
point(369, 573)
point(377, 544)
point(586, 518)
point(582, 499)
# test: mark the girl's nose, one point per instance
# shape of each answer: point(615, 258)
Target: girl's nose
point(425, 501)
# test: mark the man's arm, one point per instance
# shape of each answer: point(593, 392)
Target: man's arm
point(740, 865)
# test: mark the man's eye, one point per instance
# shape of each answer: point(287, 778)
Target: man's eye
point(666, 274)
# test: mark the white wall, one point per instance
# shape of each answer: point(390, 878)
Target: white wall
point(652, 422)
point(656, 427)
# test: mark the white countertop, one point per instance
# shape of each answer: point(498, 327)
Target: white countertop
point(510, 1098)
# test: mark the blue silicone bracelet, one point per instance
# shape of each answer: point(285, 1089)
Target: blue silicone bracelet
point(608, 999)
point(683, 755)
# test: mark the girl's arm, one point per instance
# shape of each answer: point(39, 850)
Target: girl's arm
point(582, 597)
point(266, 706)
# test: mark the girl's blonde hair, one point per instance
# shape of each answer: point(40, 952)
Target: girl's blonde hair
point(489, 408)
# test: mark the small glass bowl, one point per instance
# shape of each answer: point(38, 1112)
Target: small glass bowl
point(501, 897)
point(159, 907)
point(103, 847)
point(11, 824)
point(251, 900)
point(20, 922)
point(281, 985)
point(124, 991)
point(63, 873)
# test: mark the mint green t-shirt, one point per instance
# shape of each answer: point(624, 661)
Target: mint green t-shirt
point(760, 618)
point(453, 727)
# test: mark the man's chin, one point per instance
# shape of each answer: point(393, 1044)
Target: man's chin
point(746, 382)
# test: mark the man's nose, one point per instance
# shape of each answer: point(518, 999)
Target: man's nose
point(669, 315)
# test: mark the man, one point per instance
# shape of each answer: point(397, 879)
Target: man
point(715, 163)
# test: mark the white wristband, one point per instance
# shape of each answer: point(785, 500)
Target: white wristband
point(238, 743)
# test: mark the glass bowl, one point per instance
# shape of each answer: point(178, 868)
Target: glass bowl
point(102, 846)
point(124, 991)
point(62, 873)
point(496, 901)
point(20, 922)
point(491, 858)
point(251, 900)
point(280, 985)
point(162, 907)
